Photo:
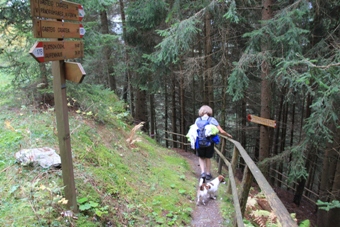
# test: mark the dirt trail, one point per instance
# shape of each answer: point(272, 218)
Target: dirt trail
point(208, 215)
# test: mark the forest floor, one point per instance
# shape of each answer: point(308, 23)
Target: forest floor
point(210, 215)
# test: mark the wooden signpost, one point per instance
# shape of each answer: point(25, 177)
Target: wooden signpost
point(58, 50)
point(261, 120)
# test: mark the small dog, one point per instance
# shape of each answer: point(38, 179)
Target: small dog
point(212, 191)
point(202, 192)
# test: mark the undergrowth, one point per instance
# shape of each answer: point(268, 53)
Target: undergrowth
point(117, 183)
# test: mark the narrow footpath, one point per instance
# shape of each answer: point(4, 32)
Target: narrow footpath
point(203, 215)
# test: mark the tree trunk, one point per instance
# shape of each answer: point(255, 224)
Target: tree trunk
point(43, 75)
point(166, 110)
point(283, 140)
point(330, 182)
point(127, 89)
point(152, 116)
point(209, 96)
point(277, 138)
point(182, 100)
point(107, 52)
point(265, 90)
point(141, 109)
point(174, 111)
point(302, 181)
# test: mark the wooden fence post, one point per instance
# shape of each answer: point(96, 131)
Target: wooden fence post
point(233, 165)
point(245, 188)
point(220, 161)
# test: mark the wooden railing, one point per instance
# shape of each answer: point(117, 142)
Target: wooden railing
point(183, 145)
point(251, 172)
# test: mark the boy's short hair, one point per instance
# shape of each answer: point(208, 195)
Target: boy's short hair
point(205, 109)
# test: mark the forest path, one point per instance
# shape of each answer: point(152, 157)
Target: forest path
point(203, 215)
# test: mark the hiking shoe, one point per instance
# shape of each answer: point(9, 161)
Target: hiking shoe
point(208, 177)
point(203, 175)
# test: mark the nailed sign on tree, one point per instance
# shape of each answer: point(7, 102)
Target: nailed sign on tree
point(261, 120)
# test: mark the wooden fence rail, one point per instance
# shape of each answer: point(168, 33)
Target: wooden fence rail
point(251, 172)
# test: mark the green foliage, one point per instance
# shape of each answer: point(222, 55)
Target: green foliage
point(90, 206)
point(97, 102)
point(146, 14)
point(238, 82)
point(176, 41)
point(231, 15)
point(328, 205)
point(305, 223)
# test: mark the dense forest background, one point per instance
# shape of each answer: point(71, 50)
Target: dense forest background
point(277, 59)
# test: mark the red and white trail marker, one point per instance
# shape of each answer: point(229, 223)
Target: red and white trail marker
point(44, 51)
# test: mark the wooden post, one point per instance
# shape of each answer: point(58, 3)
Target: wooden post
point(244, 190)
point(233, 165)
point(238, 220)
point(59, 89)
point(220, 162)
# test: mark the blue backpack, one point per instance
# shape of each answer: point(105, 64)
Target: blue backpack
point(202, 140)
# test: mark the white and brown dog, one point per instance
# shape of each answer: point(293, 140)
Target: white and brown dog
point(213, 186)
point(202, 191)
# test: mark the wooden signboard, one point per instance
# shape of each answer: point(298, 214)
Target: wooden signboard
point(57, 9)
point(57, 50)
point(57, 29)
point(74, 72)
point(261, 120)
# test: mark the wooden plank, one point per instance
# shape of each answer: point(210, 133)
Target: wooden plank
point(57, 50)
point(61, 109)
point(261, 120)
point(57, 9)
point(273, 200)
point(74, 72)
point(57, 29)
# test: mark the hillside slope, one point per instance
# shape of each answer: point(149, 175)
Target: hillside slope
point(117, 183)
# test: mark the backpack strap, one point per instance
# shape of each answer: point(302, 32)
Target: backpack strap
point(208, 121)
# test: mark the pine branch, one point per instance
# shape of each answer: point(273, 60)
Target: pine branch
point(275, 159)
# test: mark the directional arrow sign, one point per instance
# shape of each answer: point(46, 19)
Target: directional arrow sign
point(74, 72)
point(57, 50)
point(57, 9)
point(261, 120)
point(57, 29)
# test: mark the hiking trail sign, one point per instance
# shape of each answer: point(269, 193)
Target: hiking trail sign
point(44, 51)
point(57, 9)
point(57, 29)
point(74, 72)
point(51, 20)
point(261, 120)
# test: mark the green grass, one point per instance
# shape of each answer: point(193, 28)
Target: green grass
point(139, 185)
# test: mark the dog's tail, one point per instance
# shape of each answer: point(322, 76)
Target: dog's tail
point(202, 181)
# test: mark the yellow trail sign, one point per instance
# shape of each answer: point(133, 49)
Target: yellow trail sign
point(74, 72)
point(261, 120)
